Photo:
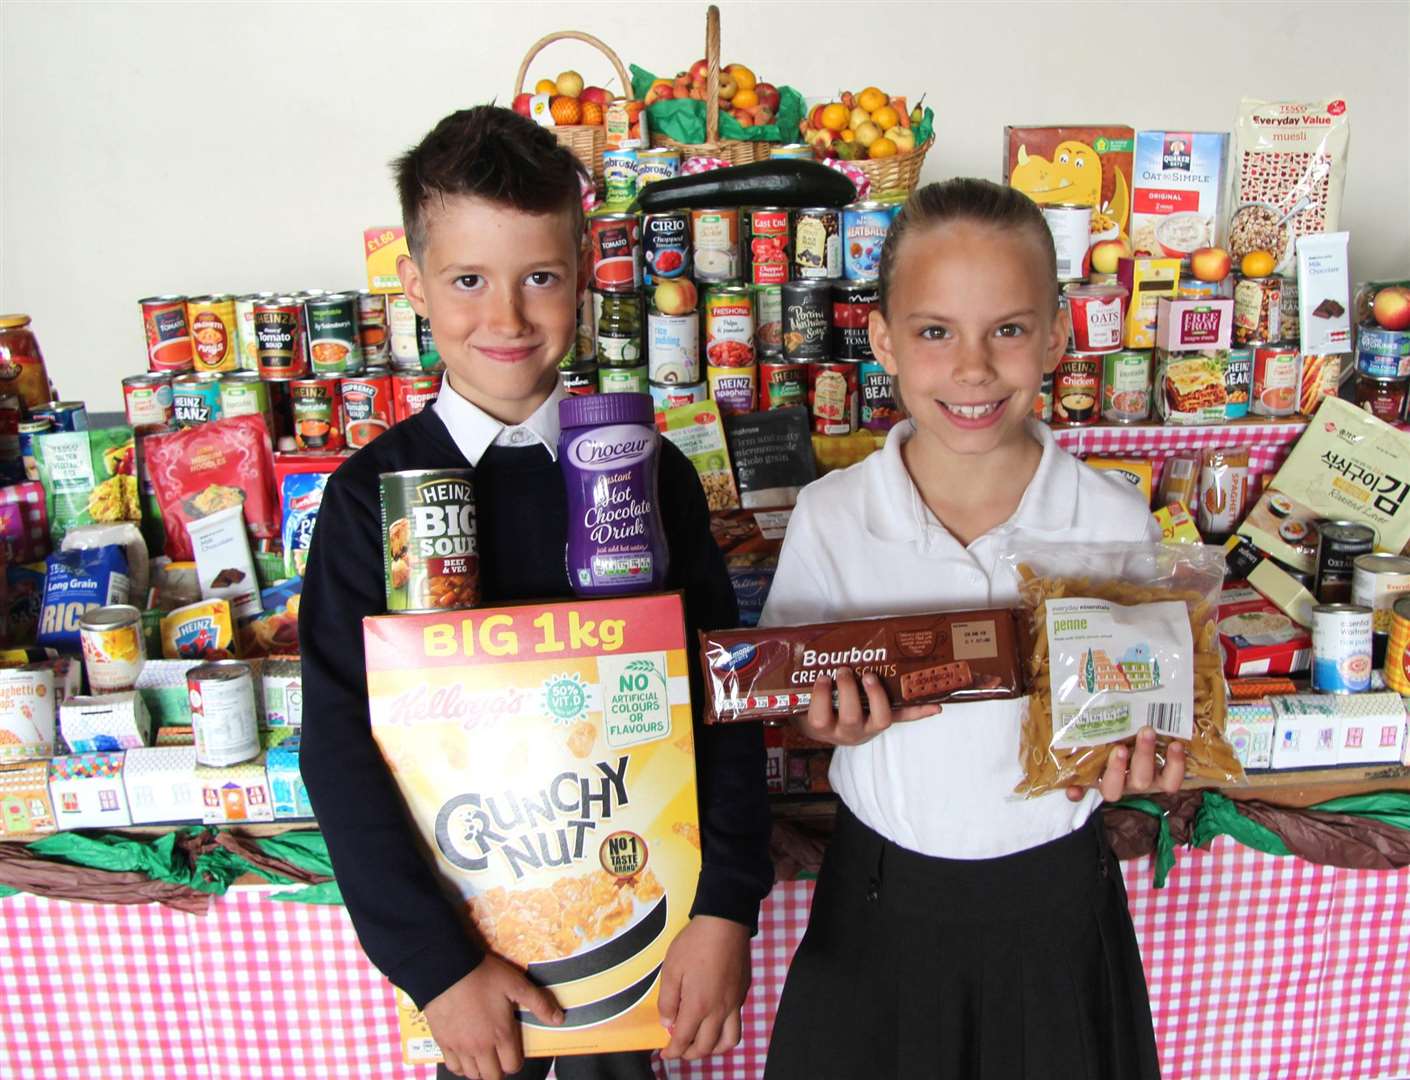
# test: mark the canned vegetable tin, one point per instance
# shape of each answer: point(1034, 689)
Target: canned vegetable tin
point(146, 398)
point(1377, 582)
point(1341, 648)
point(195, 399)
point(619, 176)
point(222, 696)
point(1277, 378)
point(665, 246)
point(817, 243)
point(622, 380)
point(316, 404)
point(729, 326)
point(430, 547)
point(412, 391)
point(242, 393)
point(212, 323)
point(28, 430)
point(279, 338)
point(1238, 382)
point(246, 342)
point(782, 383)
point(1339, 545)
point(113, 649)
point(807, 320)
point(168, 333)
point(864, 229)
point(769, 258)
point(1126, 386)
point(715, 239)
point(367, 405)
point(852, 305)
point(333, 345)
point(832, 396)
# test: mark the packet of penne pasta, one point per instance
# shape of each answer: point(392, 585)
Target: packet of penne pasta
point(1121, 636)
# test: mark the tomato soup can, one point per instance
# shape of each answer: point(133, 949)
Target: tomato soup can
point(623, 380)
point(372, 327)
point(616, 254)
point(619, 176)
point(316, 404)
point(852, 305)
point(782, 383)
point(412, 391)
point(401, 333)
point(665, 246)
point(1339, 545)
point(367, 406)
point(245, 339)
point(715, 244)
point(214, 344)
point(673, 347)
point(113, 648)
point(1397, 662)
point(146, 398)
point(769, 255)
point(1277, 378)
point(195, 399)
point(1341, 648)
point(1071, 226)
point(832, 396)
point(734, 389)
point(768, 320)
point(168, 333)
point(27, 431)
point(1377, 582)
point(1077, 388)
point(1238, 382)
point(864, 229)
point(661, 163)
point(1126, 386)
point(817, 242)
point(333, 344)
point(1043, 400)
point(673, 395)
point(729, 326)
point(280, 352)
point(430, 539)
point(222, 696)
point(878, 410)
point(807, 320)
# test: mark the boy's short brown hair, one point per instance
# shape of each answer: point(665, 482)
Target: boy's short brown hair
point(490, 153)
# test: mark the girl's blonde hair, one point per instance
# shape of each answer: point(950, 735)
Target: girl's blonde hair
point(967, 199)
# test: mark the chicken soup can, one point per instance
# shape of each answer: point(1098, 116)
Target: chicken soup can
point(113, 648)
point(1126, 386)
point(1341, 648)
point(782, 383)
point(169, 346)
point(412, 391)
point(817, 243)
point(715, 240)
point(1077, 388)
point(430, 540)
point(367, 406)
point(212, 322)
point(1377, 582)
point(734, 389)
point(1277, 379)
point(832, 396)
point(1071, 226)
point(222, 697)
point(146, 398)
point(316, 404)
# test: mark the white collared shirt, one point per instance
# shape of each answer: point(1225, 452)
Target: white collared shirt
point(861, 542)
point(475, 430)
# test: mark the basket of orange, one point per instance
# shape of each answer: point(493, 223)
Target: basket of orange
point(577, 112)
point(876, 132)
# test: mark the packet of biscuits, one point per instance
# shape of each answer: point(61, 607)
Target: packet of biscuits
point(1120, 636)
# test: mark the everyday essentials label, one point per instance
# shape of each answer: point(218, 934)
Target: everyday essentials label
point(1116, 668)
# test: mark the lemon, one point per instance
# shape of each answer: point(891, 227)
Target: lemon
point(1257, 264)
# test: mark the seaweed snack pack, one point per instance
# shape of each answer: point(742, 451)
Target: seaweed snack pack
point(74, 582)
point(546, 756)
point(88, 477)
point(1121, 636)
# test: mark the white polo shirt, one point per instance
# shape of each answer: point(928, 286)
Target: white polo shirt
point(475, 431)
point(862, 543)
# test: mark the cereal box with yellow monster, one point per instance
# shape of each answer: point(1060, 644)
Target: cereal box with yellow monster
point(1083, 166)
point(546, 755)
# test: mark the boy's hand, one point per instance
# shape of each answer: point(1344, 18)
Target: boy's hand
point(473, 1021)
point(704, 981)
point(850, 725)
point(1117, 781)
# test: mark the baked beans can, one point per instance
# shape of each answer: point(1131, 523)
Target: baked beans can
point(665, 246)
point(734, 389)
point(1098, 316)
point(673, 395)
point(242, 393)
point(280, 352)
point(195, 399)
point(316, 403)
point(782, 383)
point(769, 256)
point(1377, 581)
point(768, 320)
point(1238, 382)
point(878, 397)
point(807, 319)
point(1043, 400)
point(333, 344)
point(1126, 386)
point(412, 391)
point(673, 347)
point(1258, 306)
point(27, 431)
point(619, 176)
point(817, 242)
point(245, 339)
point(1383, 398)
point(430, 539)
point(661, 163)
point(1277, 379)
point(1341, 648)
point(169, 346)
point(1339, 545)
point(715, 240)
point(372, 327)
point(622, 380)
point(832, 396)
point(852, 305)
point(579, 379)
point(1077, 388)
point(729, 326)
point(215, 347)
point(401, 333)
point(222, 697)
point(616, 254)
point(146, 398)
point(1397, 661)
point(1071, 226)
point(367, 406)
point(113, 647)
point(864, 229)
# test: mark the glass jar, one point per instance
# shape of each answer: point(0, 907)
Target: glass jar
point(22, 371)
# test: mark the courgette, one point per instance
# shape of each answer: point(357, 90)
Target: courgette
point(786, 182)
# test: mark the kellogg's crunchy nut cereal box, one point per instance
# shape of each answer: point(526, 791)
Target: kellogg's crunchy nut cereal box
point(546, 755)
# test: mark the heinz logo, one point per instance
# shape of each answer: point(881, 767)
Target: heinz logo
point(737, 658)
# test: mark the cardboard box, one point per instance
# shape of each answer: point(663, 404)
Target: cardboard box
point(1249, 729)
point(1258, 639)
point(1193, 325)
point(27, 709)
point(87, 791)
point(25, 810)
point(381, 248)
point(235, 794)
point(283, 696)
point(1179, 191)
point(286, 783)
point(546, 755)
point(162, 684)
point(1148, 279)
point(175, 736)
point(1303, 738)
point(1083, 164)
point(1138, 472)
point(117, 721)
point(1338, 729)
point(161, 785)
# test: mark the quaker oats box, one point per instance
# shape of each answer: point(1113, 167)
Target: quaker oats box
point(1180, 191)
point(545, 753)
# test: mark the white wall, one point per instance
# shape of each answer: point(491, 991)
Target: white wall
point(203, 147)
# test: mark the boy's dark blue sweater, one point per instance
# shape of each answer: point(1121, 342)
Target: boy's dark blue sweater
point(405, 922)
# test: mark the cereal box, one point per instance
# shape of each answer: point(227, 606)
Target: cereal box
point(1085, 165)
point(546, 755)
point(1178, 190)
point(27, 712)
point(1258, 639)
point(25, 810)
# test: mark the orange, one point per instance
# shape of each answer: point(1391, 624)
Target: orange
point(744, 99)
point(871, 99)
point(1257, 264)
point(882, 147)
point(592, 112)
point(834, 117)
point(885, 117)
point(743, 76)
point(545, 86)
point(565, 111)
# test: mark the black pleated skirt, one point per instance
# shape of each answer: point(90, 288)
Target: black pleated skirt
point(1023, 967)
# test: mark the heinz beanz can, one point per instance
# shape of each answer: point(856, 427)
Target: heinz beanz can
point(222, 696)
point(1341, 648)
point(195, 399)
point(430, 540)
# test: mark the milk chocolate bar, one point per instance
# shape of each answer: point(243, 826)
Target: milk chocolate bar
point(950, 656)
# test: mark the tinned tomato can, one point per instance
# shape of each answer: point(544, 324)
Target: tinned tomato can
point(852, 305)
point(222, 697)
point(715, 242)
point(412, 391)
point(280, 352)
point(1277, 378)
point(367, 406)
point(316, 404)
point(146, 398)
point(729, 326)
point(1077, 388)
point(430, 539)
point(334, 347)
point(113, 648)
point(168, 333)
point(832, 396)
point(817, 242)
point(769, 256)
point(782, 383)
point(665, 246)
point(616, 252)
point(212, 321)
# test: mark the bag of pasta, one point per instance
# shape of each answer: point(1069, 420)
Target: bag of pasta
point(1121, 636)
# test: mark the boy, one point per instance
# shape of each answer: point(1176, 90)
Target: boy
point(493, 216)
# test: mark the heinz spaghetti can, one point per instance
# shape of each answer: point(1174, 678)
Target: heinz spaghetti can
point(222, 696)
point(734, 389)
point(168, 333)
point(212, 322)
point(1341, 648)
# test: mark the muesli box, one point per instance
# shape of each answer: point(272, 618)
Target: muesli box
point(1179, 191)
point(546, 756)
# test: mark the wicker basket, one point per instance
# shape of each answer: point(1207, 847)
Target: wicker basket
point(734, 151)
point(899, 173)
point(586, 141)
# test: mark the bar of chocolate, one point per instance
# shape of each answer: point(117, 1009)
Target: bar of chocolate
point(1329, 309)
point(768, 673)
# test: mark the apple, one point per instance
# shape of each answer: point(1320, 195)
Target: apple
point(850, 151)
point(815, 117)
point(858, 117)
point(569, 83)
point(728, 87)
point(867, 133)
point(768, 96)
point(1209, 264)
point(763, 114)
point(699, 70)
point(743, 118)
point(675, 296)
point(1107, 254)
point(660, 90)
point(521, 103)
point(904, 138)
point(597, 95)
point(1392, 308)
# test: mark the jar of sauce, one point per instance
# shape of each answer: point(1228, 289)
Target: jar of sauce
point(22, 371)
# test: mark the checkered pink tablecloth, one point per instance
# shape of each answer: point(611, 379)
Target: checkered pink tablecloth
point(1260, 968)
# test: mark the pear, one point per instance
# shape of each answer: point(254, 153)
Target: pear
point(859, 117)
point(904, 138)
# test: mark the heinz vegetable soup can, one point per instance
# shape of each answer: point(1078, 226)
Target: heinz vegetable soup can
point(430, 542)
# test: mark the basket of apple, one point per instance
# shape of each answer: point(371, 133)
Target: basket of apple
point(576, 112)
point(877, 132)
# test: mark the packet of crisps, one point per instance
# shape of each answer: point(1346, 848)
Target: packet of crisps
point(546, 755)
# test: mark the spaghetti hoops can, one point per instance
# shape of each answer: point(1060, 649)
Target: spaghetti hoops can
point(212, 322)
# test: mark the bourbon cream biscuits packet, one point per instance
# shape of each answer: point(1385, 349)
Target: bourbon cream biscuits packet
point(546, 756)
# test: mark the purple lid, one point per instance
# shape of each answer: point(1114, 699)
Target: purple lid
point(594, 409)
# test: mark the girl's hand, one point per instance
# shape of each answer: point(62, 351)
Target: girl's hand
point(850, 725)
point(1117, 781)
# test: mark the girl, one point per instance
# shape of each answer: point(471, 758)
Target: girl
point(958, 931)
